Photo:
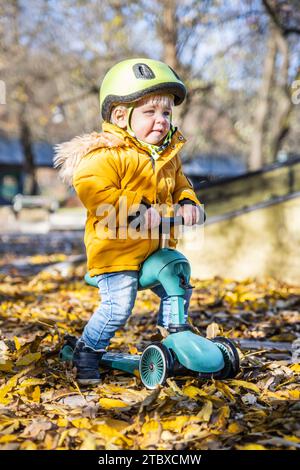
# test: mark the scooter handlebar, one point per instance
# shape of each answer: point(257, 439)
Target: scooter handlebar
point(177, 220)
point(167, 222)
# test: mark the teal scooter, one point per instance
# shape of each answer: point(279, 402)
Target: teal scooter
point(182, 352)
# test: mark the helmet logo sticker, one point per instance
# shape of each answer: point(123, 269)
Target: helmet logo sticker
point(143, 71)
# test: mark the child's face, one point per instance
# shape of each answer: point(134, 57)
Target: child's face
point(150, 121)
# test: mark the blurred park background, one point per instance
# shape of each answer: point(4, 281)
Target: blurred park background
point(240, 62)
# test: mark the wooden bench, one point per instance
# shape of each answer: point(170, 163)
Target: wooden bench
point(21, 201)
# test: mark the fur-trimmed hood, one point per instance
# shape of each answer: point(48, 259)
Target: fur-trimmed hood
point(69, 154)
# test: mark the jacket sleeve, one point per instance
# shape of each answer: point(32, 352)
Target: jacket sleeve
point(97, 182)
point(183, 188)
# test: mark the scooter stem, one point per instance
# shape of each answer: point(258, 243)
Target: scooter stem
point(174, 277)
point(177, 310)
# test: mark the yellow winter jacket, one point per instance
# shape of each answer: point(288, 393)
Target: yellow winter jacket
point(105, 166)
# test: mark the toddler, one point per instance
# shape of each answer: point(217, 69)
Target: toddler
point(133, 161)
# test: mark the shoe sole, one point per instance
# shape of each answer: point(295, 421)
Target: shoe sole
point(89, 381)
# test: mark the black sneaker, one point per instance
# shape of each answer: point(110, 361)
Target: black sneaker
point(86, 361)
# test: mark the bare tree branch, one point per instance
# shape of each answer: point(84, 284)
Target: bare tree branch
point(286, 31)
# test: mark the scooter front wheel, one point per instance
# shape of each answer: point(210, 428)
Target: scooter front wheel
point(231, 358)
point(154, 365)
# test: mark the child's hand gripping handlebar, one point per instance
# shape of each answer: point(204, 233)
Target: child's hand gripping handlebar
point(167, 222)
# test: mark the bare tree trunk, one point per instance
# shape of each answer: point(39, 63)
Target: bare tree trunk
point(280, 122)
point(279, 126)
point(29, 165)
point(260, 116)
point(169, 33)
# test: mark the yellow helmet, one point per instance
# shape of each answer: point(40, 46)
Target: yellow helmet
point(132, 79)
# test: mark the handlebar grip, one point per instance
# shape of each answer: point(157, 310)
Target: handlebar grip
point(167, 222)
point(164, 221)
point(177, 220)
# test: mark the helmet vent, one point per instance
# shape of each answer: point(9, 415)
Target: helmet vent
point(143, 71)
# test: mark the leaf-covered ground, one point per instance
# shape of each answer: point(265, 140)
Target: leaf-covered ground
point(42, 406)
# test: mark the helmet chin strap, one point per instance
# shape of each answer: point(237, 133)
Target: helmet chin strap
point(129, 114)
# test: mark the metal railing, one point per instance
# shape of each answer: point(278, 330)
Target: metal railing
point(234, 196)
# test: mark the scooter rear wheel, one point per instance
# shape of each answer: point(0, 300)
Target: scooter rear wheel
point(66, 352)
point(154, 365)
point(231, 358)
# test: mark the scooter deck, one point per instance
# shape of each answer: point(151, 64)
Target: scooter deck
point(113, 360)
point(121, 361)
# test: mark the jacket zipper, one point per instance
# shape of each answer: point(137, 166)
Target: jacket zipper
point(153, 163)
point(153, 168)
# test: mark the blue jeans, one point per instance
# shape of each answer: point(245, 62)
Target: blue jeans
point(118, 292)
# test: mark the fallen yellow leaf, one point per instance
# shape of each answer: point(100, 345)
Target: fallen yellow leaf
point(62, 438)
point(251, 447)
point(222, 387)
point(6, 366)
point(192, 392)
point(31, 382)
point(48, 442)
point(152, 432)
point(89, 443)
point(292, 438)
point(112, 403)
point(243, 383)
point(294, 394)
point(151, 426)
point(105, 431)
point(17, 343)
point(213, 330)
point(28, 359)
point(62, 422)
point(235, 428)
point(36, 395)
point(7, 438)
point(283, 394)
point(192, 430)
point(7, 388)
point(206, 411)
point(28, 445)
point(117, 424)
point(175, 424)
point(81, 423)
point(223, 414)
point(111, 433)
